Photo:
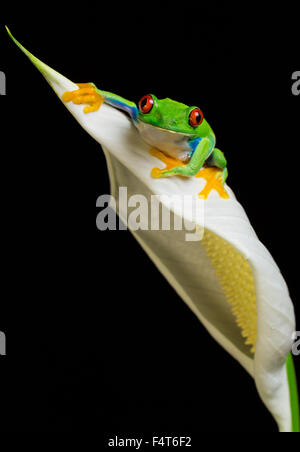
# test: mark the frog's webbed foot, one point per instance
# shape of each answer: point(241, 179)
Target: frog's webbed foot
point(215, 180)
point(86, 94)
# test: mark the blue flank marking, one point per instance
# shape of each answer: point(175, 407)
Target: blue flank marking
point(132, 111)
point(193, 144)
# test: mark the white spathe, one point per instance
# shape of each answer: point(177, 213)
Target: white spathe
point(186, 265)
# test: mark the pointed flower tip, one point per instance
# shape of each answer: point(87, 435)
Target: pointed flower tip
point(12, 37)
point(51, 75)
point(8, 31)
point(32, 58)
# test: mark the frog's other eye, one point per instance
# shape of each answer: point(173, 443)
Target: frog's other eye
point(146, 104)
point(196, 117)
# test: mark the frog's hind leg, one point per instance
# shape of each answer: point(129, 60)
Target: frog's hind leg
point(217, 159)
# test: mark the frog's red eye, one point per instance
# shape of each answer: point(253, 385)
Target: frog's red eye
point(146, 104)
point(196, 117)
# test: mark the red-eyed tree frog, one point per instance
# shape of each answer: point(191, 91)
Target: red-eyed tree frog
point(179, 131)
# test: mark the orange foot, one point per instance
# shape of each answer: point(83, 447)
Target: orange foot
point(86, 94)
point(213, 177)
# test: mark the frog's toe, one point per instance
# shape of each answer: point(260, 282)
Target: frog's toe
point(157, 173)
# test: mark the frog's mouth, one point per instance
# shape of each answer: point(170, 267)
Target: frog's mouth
point(141, 124)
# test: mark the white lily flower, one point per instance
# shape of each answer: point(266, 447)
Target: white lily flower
point(228, 279)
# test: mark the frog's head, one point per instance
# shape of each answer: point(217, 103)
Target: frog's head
point(173, 116)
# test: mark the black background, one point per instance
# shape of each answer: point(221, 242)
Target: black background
point(96, 338)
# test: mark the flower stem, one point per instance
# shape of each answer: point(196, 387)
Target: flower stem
point(293, 394)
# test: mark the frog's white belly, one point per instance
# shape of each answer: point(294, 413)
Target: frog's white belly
point(174, 144)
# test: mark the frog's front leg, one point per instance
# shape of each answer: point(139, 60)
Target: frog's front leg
point(89, 94)
point(200, 155)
